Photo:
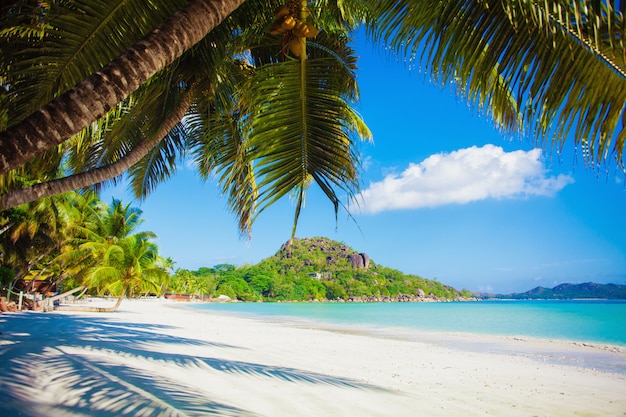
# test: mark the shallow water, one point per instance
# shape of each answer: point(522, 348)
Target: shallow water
point(594, 321)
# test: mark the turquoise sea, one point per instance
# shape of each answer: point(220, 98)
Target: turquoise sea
point(594, 321)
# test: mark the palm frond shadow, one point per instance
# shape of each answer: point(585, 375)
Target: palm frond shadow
point(89, 367)
point(97, 388)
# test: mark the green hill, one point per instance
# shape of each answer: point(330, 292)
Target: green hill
point(317, 269)
point(587, 290)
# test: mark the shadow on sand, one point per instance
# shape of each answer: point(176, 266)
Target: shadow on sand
point(65, 365)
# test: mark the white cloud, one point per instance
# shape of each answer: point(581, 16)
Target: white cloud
point(461, 177)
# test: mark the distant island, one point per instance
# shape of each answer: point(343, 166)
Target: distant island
point(587, 290)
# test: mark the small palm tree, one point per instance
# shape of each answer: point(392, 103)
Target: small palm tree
point(109, 255)
point(128, 266)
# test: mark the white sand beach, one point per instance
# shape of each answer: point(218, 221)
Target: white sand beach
point(157, 358)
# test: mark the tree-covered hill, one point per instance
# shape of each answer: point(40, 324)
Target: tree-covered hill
point(312, 269)
point(570, 291)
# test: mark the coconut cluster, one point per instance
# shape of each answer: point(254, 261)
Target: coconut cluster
point(289, 23)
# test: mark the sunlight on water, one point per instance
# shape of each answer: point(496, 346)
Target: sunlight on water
point(594, 321)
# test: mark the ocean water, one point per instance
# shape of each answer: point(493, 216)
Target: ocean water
point(595, 321)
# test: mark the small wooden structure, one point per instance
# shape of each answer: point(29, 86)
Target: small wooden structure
point(39, 286)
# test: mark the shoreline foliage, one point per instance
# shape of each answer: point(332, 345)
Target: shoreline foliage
point(74, 240)
point(310, 269)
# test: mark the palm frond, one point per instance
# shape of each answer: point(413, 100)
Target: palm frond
point(159, 164)
point(497, 50)
point(223, 152)
point(598, 25)
point(163, 108)
point(76, 38)
point(216, 144)
point(86, 150)
point(301, 129)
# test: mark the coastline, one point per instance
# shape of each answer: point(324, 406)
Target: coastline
point(597, 355)
point(160, 357)
point(526, 319)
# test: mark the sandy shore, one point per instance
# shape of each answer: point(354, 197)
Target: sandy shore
point(154, 358)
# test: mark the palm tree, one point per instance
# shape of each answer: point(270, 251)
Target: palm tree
point(91, 99)
point(554, 68)
point(99, 152)
point(77, 239)
point(110, 256)
point(216, 155)
point(128, 266)
point(34, 234)
point(93, 176)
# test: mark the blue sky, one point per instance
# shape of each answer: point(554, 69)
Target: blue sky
point(445, 196)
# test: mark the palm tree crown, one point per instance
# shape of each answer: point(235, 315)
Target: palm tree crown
point(269, 102)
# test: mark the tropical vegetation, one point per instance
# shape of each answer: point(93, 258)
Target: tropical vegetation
point(262, 97)
point(76, 240)
point(310, 269)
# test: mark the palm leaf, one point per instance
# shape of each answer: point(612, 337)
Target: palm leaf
point(216, 143)
point(598, 25)
point(76, 38)
point(222, 151)
point(301, 129)
point(562, 86)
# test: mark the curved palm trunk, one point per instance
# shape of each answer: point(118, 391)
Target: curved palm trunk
point(48, 302)
point(92, 98)
point(94, 176)
point(90, 309)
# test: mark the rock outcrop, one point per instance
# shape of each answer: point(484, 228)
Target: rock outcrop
point(334, 252)
point(359, 261)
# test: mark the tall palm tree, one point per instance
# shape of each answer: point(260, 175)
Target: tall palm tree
point(553, 67)
point(91, 99)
